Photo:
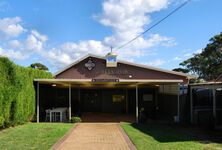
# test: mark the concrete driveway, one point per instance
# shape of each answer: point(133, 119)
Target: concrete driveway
point(95, 136)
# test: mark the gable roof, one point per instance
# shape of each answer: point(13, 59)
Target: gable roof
point(127, 63)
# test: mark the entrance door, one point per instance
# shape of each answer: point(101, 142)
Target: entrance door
point(92, 100)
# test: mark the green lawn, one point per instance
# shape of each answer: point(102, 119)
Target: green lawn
point(159, 137)
point(32, 136)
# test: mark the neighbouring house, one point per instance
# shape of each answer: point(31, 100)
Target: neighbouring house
point(206, 103)
point(106, 85)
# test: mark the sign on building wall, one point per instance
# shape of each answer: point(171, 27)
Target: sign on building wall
point(118, 98)
point(105, 80)
point(114, 71)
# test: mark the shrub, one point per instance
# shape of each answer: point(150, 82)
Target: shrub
point(75, 120)
point(17, 92)
point(2, 120)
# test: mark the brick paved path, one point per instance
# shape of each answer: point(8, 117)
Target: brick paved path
point(96, 136)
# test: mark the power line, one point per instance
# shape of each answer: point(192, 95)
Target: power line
point(158, 22)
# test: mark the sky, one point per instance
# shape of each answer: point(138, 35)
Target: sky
point(58, 32)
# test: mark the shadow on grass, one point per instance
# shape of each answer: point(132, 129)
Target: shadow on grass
point(168, 133)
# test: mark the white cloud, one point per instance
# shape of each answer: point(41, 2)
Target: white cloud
point(156, 63)
point(128, 18)
point(125, 15)
point(76, 50)
point(23, 49)
point(15, 44)
point(177, 58)
point(187, 54)
point(11, 27)
point(35, 41)
point(70, 51)
point(198, 51)
point(39, 36)
point(90, 46)
point(58, 58)
point(18, 55)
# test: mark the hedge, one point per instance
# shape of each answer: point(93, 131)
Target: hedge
point(75, 120)
point(2, 120)
point(17, 92)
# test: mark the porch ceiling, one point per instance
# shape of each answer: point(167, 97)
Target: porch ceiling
point(87, 83)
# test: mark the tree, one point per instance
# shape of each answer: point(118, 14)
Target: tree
point(207, 64)
point(181, 70)
point(39, 66)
